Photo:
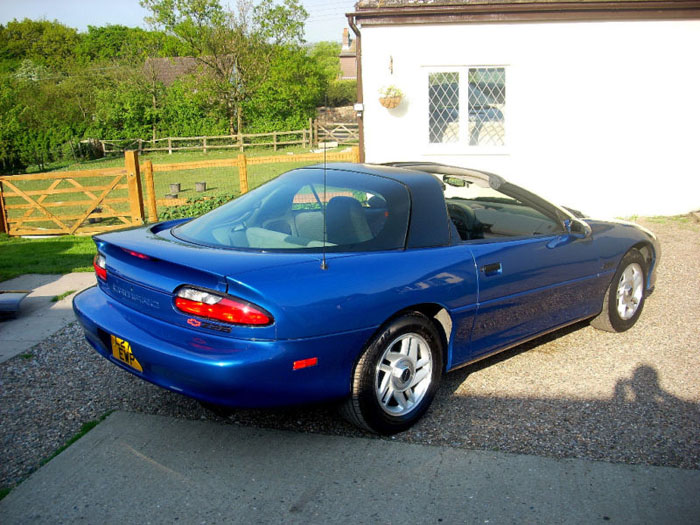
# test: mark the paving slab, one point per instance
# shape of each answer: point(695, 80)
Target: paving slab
point(136, 468)
point(39, 317)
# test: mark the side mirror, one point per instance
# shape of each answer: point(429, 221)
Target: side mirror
point(578, 228)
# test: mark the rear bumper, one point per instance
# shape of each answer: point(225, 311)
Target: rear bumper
point(221, 370)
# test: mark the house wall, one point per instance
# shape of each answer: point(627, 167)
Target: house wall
point(600, 116)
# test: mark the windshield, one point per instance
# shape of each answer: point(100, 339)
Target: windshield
point(362, 213)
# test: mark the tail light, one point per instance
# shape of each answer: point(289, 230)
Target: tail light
point(227, 309)
point(100, 265)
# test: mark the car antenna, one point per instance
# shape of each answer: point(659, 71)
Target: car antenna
point(324, 265)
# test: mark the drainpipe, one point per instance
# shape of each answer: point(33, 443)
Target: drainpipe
point(358, 52)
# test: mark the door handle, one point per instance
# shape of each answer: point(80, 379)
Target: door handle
point(492, 269)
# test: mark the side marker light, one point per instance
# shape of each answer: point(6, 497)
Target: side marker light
point(305, 363)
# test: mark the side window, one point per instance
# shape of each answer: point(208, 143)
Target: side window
point(480, 212)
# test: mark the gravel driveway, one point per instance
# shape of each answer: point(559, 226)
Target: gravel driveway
point(628, 398)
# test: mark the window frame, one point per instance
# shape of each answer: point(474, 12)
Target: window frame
point(461, 146)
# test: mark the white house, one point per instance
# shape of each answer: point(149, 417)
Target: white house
point(595, 105)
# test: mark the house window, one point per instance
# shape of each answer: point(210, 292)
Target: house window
point(467, 106)
point(444, 107)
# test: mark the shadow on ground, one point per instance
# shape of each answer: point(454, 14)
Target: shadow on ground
point(639, 423)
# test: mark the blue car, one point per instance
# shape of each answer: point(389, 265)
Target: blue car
point(357, 283)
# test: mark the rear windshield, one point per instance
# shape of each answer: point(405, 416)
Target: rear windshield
point(362, 213)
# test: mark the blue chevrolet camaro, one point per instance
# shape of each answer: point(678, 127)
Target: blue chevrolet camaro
point(358, 283)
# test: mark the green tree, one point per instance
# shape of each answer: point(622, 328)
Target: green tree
point(290, 94)
point(49, 120)
point(48, 43)
point(189, 111)
point(119, 43)
point(235, 46)
point(326, 55)
point(123, 109)
point(10, 126)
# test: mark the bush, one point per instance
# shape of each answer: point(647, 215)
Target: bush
point(195, 207)
point(341, 93)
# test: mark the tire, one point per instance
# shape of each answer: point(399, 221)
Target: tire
point(397, 376)
point(624, 299)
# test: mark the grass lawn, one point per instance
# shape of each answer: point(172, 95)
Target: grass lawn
point(64, 254)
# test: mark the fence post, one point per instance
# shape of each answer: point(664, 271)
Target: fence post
point(311, 132)
point(3, 220)
point(274, 140)
point(170, 145)
point(150, 191)
point(140, 146)
point(133, 180)
point(204, 144)
point(240, 141)
point(243, 173)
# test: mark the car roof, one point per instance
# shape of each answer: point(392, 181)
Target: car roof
point(436, 168)
point(381, 170)
point(407, 171)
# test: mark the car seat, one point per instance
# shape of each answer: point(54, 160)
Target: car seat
point(346, 222)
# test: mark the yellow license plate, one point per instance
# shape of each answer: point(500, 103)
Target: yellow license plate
point(122, 350)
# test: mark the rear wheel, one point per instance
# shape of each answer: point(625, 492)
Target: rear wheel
point(397, 376)
point(624, 299)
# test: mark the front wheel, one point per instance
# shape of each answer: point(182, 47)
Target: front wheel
point(624, 299)
point(397, 376)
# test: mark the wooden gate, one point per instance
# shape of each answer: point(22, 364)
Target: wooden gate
point(72, 202)
point(340, 132)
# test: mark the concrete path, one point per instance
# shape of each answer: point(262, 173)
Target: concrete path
point(39, 317)
point(135, 468)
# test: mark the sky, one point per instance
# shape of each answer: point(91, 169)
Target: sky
point(326, 17)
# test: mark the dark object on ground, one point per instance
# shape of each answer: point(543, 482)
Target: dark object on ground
point(10, 302)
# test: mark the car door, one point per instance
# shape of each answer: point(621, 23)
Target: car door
point(533, 275)
point(529, 285)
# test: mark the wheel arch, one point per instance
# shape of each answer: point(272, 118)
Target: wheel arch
point(437, 314)
point(649, 255)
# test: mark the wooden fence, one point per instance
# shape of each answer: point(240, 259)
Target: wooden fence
point(341, 132)
point(35, 204)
